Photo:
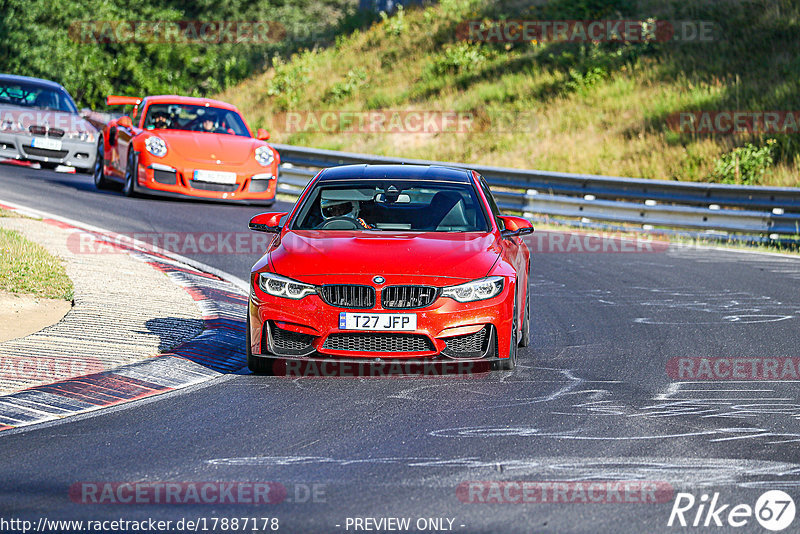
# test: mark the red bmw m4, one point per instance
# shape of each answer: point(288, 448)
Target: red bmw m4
point(390, 262)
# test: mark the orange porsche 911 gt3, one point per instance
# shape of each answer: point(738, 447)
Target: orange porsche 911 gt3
point(186, 147)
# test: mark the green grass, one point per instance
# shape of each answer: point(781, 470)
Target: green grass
point(591, 108)
point(26, 267)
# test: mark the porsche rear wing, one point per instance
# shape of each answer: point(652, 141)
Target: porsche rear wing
point(114, 100)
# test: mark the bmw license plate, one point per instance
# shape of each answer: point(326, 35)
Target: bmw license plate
point(47, 144)
point(378, 321)
point(215, 177)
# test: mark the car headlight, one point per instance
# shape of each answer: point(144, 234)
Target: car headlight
point(264, 156)
point(82, 135)
point(156, 146)
point(482, 289)
point(280, 286)
point(7, 125)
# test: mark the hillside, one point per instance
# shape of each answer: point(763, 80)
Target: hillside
point(565, 106)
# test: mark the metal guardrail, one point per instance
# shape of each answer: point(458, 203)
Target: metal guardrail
point(650, 203)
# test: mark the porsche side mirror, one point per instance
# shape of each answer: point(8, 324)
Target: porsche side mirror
point(125, 121)
point(516, 226)
point(262, 134)
point(267, 222)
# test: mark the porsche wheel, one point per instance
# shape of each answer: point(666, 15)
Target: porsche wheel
point(129, 189)
point(98, 173)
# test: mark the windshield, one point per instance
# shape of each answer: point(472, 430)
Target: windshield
point(194, 119)
point(397, 205)
point(36, 96)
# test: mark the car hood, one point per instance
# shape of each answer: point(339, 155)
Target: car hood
point(204, 147)
point(27, 117)
point(315, 256)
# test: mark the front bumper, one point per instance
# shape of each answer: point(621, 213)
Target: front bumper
point(446, 330)
point(73, 152)
point(176, 181)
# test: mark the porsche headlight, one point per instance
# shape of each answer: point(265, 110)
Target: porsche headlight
point(156, 146)
point(482, 289)
point(264, 156)
point(280, 286)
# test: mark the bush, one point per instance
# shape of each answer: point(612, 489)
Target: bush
point(459, 58)
point(45, 39)
point(744, 165)
point(395, 25)
point(354, 79)
point(290, 80)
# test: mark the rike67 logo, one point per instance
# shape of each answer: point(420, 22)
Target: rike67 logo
point(774, 510)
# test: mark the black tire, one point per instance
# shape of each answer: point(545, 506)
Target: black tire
point(258, 365)
point(508, 364)
point(129, 188)
point(525, 339)
point(100, 180)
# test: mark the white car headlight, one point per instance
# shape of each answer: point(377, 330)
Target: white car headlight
point(82, 135)
point(264, 156)
point(482, 289)
point(280, 286)
point(156, 146)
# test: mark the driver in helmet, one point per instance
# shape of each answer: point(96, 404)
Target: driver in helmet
point(161, 119)
point(211, 122)
point(334, 208)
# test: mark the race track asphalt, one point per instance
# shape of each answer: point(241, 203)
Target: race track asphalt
point(591, 400)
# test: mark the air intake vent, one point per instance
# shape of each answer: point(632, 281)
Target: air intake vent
point(471, 345)
point(408, 297)
point(349, 296)
point(288, 343)
point(206, 186)
point(379, 343)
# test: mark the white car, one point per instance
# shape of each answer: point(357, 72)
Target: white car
point(39, 122)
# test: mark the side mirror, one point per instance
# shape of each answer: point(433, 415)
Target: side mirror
point(516, 226)
point(262, 134)
point(125, 122)
point(267, 222)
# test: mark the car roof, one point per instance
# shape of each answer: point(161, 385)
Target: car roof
point(31, 80)
point(191, 100)
point(433, 173)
